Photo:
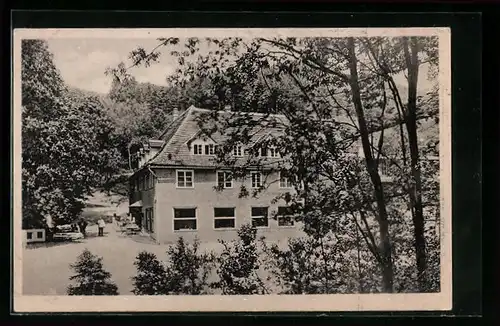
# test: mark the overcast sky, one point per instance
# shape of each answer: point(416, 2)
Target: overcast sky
point(82, 62)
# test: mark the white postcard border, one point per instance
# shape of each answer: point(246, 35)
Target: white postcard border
point(255, 303)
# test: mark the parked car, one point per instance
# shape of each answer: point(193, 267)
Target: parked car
point(67, 232)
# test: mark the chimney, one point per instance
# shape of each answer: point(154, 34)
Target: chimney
point(175, 113)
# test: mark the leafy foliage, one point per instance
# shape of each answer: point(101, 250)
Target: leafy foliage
point(185, 272)
point(68, 144)
point(91, 278)
point(338, 96)
point(151, 278)
point(188, 269)
point(238, 265)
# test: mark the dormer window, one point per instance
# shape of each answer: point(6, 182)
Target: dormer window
point(273, 152)
point(238, 151)
point(210, 149)
point(198, 149)
point(383, 167)
point(262, 151)
point(286, 180)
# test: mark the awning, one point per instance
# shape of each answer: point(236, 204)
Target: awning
point(136, 204)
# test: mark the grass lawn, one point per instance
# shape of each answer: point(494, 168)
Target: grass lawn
point(46, 268)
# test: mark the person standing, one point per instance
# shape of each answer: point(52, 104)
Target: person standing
point(101, 225)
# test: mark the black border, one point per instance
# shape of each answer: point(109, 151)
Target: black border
point(466, 113)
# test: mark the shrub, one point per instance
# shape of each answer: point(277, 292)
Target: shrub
point(187, 269)
point(91, 277)
point(311, 266)
point(238, 265)
point(185, 272)
point(292, 267)
point(151, 275)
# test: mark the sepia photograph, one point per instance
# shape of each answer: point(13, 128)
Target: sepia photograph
point(232, 169)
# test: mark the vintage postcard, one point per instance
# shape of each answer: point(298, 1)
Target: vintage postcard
point(232, 170)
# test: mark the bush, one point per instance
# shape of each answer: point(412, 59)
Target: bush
point(151, 275)
point(310, 266)
point(91, 277)
point(292, 267)
point(188, 270)
point(238, 265)
point(185, 272)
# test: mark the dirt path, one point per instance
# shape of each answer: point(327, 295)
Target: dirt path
point(46, 268)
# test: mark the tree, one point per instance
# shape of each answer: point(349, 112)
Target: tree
point(68, 147)
point(91, 278)
point(333, 93)
point(238, 264)
point(187, 269)
point(41, 83)
point(408, 54)
point(139, 112)
point(151, 278)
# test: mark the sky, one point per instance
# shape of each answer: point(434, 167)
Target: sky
point(82, 62)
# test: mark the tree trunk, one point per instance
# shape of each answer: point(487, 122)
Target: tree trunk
point(411, 57)
point(360, 273)
point(371, 165)
point(129, 158)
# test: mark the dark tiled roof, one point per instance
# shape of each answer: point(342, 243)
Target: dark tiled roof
point(176, 151)
point(177, 135)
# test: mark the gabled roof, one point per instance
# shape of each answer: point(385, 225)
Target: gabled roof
point(199, 135)
point(177, 136)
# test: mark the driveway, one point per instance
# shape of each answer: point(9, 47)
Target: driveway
point(46, 268)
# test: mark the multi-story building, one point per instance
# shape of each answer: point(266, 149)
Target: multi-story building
point(178, 189)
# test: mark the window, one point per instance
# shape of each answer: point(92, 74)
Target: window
point(273, 152)
point(145, 223)
point(147, 181)
point(256, 180)
point(237, 151)
point(29, 235)
point(184, 179)
point(383, 167)
point(285, 180)
point(263, 151)
point(184, 219)
point(224, 218)
point(259, 217)
point(149, 220)
point(284, 216)
point(210, 149)
point(39, 234)
point(224, 179)
point(151, 181)
point(198, 149)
